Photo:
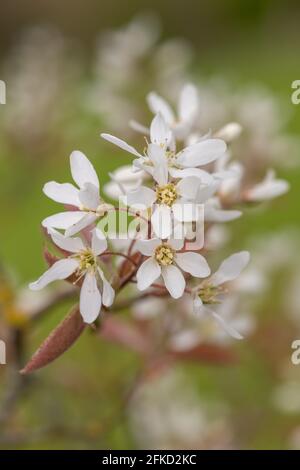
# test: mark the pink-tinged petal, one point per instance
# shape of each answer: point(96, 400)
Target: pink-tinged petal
point(82, 170)
point(193, 263)
point(73, 245)
point(63, 220)
point(158, 105)
point(231, 268)
point(202, 153)
point(89, 196)
point(174, 280)
point(99, 242)
point(162, 221)
point(59, 270)
point(88, 219)
point(64, 193)
point(121, 143)
point(90, 298)
point(147, 273)
point(147, 247)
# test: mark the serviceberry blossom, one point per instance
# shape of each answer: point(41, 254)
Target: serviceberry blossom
point(187, 111)
point(182, 185)
point(83, 263)
point(211, 291)
point(85, 198)
point(165, 259)
point(179, 164)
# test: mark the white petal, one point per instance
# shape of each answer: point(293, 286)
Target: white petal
point(142, 196)
point(73, 245)
point(229, 132)
point(193, 263)
point(82, 170)
point(174, 280)
point(147, 247)
point(108, 293)
point(269, 188)
point(99, 242)
point(158, 105)
point(231, 268)
point(88, 219)
point(176, 243)
point(202, 153)
point(159, 160)
point(138, 127)
point(188, 103)
point(90, 298)
point(226, 326)
point(147, 273)
point(65, 193)
point(63, 220)
point(160, 132)
point(188, 187)
point(121, 143)
point(215, 214)
point(206, 192)
point(204, 177)
point(59, 270)
point(162, 221)
point(89, 196)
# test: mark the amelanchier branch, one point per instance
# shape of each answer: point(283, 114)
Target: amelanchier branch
point(179, 185)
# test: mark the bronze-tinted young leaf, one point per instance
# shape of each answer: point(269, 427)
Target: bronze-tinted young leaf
point(61, 339)
point(206, 353)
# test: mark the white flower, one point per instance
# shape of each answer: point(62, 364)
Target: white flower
point(196, 329)
point(211, 290)
point(179, 201)
point(162, 147)
point(86, 197)
point(82, 262)
point(269, 188)
point(164, 259)
point(187, 110)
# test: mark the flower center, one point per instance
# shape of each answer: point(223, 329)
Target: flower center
point(166, 194)
point(86, 260)
point(164, 255)
point(209, 294)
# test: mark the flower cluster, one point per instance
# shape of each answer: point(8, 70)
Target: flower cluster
point(179, 186)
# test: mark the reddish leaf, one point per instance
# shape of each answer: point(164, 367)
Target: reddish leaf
point(59, 341)
point(206, 353)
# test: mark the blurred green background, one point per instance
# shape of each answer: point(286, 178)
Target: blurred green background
point(78, 401)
